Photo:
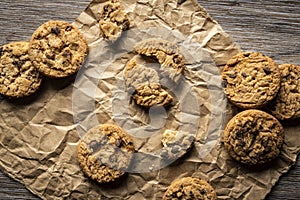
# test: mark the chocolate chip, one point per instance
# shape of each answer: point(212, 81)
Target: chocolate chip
point(224, 83)
point(244, 74)
point(38, 37)
point(246, 54)
point(74, 46)
point(1, 51)
point(18, 63)
point(176, 59)
point(95, 146)
point(106, 8)
point(51, 57)
point(232, 75)
point(68, 28)
point(55, 30)
point(203, 192)
point(267, 70)
point(239, 134)
point(66, 53)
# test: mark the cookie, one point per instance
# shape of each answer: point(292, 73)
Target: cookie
point(175, 144)
point(253, 137)
point(190, 188)
point(287, 102)
point(57, 49)
point(105, 153)
point(113, 20)
point(137, 74)
point(18, 76)
point(152, 94)
point(251, 80)
point(167, 54)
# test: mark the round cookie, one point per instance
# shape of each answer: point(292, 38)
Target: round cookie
point(18, 76)
point(57, 49)
point(105, 152)
point(152, 94)
point(190, 188)
point(251, 80)
point(287, 102)
point(167, 54)
point(253, 137)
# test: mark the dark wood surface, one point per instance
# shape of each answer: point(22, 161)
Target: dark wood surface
point(268, 26)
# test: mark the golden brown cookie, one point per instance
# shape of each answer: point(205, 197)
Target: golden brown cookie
point(105, 153)
point(136, 74)
point(175, 144)
point(113, 20)
point(253, 137)
point(149, 95)
point(189, 188)
point(57, 49)
point(287, 102)
point(167, 54)
point(18, 76)
point(251, 80)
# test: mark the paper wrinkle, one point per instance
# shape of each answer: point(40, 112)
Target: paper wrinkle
point(38, 141)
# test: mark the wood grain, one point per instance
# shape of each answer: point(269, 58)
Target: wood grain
point(268, 26)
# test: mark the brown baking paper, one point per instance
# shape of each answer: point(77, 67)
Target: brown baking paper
point(39, 136)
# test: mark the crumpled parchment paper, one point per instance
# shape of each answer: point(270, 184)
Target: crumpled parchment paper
point(39, 138)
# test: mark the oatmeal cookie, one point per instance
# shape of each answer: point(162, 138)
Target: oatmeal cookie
point(105, 152)
point(253, 137)
point(190, 188)
point(18, 76)
point(113, 20)
point(152, 94)
point(287, 102)
point(251, 80)
point(167, 54)
point(175, 144)
point(57, 49)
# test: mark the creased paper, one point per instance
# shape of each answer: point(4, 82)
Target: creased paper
point(39, 136)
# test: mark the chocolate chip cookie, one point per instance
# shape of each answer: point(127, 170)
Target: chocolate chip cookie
point(105, 153)
point(251, 80)
point(57, 49)
point(18, 76)
point(113, 20)
point(287, 103)
point(253, 137)
point(152, 94)
point(190, 188)
point(167, 54)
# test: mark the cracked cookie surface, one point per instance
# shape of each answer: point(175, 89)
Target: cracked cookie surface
point(57, 49)
point(113, 20)
point(105, 153)
point(167, 54)
point(189, 188)
point(136, 74)
point(18, 76)
point(253, 137)
point(287, 102)
point(251, 80)
point(152, 94)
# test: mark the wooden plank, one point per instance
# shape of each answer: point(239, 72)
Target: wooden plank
point(269, 26)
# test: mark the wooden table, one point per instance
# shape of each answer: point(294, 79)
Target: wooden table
point(268, 26)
